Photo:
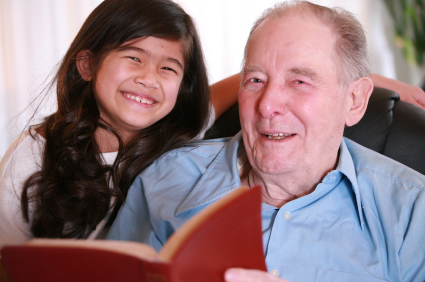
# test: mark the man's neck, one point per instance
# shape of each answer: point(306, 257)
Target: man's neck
point(277, 190)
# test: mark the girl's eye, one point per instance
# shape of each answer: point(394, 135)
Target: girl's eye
point(134, 59)
point(255, 80)
point(170, 69)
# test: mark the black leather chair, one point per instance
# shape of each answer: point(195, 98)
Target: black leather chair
point(391, 127)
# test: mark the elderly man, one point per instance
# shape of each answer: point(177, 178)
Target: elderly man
point(332, 210)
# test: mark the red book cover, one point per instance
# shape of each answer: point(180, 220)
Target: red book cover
point(225, 234)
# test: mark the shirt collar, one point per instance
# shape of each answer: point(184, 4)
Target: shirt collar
point(346, 167)
point(225, 165)
point(222, 173)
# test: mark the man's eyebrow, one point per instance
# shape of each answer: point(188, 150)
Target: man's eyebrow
point(306, 72)
point(250, 69)
point(140, 50)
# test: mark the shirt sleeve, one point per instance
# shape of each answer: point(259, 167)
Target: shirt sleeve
point(412, 251)
point(133, 222)
point(13, 228)
point(19, 162)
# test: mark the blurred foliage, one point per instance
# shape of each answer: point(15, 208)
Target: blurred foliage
point(409, 23)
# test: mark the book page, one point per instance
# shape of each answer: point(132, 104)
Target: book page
point(138, 250)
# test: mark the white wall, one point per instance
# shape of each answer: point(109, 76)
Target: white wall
point(34, 35)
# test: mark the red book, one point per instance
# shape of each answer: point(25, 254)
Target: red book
point(226, 234)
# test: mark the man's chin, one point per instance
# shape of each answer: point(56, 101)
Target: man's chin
point(268, 167)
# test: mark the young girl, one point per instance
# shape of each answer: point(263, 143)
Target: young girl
point(131, 87)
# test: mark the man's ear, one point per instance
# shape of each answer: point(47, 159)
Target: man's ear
point(361, 89)
point(83, 64)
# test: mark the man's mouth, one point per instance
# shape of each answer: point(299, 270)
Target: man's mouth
point(277, 136)
point(147, 101)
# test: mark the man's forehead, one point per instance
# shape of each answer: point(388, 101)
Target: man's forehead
point(301, 24)
point(290, 38)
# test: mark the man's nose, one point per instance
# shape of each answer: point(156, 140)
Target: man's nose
point(272, 101)
point(147, 76)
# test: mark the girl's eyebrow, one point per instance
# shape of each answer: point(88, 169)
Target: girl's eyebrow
point(146, 52)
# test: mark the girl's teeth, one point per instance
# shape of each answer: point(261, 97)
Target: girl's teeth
point(138, 99)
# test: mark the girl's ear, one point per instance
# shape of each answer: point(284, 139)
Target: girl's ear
point(83, 64)
point(360, 90)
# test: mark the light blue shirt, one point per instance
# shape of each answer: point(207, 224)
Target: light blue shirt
point(364, 222)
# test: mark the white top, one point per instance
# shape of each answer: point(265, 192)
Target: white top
point(22, 159)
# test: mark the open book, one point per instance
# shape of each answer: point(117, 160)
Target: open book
point(225, 234)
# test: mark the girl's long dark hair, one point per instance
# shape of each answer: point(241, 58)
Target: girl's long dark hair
point(72, 192)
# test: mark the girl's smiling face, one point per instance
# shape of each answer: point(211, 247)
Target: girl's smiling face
point(138, 83)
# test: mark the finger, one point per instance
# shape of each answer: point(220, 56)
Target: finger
point(420, 99)
point(418, 104)
point(249, 275)
point(421, 105)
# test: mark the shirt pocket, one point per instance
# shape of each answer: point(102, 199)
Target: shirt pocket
point(333, 276)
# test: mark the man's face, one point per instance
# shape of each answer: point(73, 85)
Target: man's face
point(292, 107)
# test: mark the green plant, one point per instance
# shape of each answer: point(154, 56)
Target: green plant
point(409, 23)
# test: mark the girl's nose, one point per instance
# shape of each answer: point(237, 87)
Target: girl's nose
point(147, 78)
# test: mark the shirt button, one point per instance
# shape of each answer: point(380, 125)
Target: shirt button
point(274, 272)
point(286, 215)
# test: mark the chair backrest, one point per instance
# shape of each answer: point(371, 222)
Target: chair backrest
point(391, 127)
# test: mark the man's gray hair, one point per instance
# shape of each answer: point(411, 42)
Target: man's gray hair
point(350, 45)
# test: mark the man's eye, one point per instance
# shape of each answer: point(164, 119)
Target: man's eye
point(300, 82)
point(135, 59)
point(255, 80)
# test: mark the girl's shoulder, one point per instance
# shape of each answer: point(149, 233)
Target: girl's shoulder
point(24, 155)
point(21, 160)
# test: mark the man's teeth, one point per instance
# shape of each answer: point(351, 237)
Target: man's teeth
point(277, 136)
point(138, 99)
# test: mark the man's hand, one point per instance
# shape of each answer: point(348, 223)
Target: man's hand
point(413, 95)
point(408, 93)
point(248, 275)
